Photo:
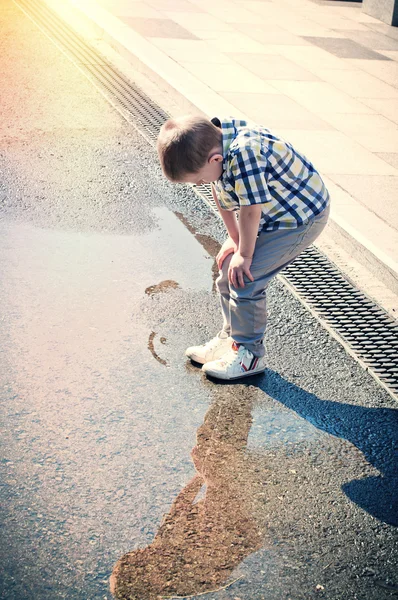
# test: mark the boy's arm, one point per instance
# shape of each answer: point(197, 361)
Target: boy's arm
point(229, 218)
point(249, 219)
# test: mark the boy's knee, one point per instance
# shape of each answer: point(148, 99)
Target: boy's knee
point(250, 292)
point(241, 293)
point(222, 283)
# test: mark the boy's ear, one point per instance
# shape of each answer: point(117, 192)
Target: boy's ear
point(215, 157)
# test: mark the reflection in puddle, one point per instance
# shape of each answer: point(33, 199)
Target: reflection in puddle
point(208, 243)
point(152, 350)
point(210, 528)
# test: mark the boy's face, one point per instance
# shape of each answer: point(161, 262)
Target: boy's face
point(212, 171)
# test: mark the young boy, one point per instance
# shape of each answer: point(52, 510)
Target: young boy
point(283, 206)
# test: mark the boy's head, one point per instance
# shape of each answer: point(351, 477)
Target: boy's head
point(190, 150)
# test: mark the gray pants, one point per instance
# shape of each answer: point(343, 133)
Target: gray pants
point(244, 309)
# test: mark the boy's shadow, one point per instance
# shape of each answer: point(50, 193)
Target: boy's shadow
point(204, 536)
point(374, 431)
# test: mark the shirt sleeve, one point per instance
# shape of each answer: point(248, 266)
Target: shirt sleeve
point(248, 170)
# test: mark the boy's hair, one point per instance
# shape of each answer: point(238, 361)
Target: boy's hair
point(184, 145)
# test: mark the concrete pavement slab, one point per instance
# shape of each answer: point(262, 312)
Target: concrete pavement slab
point(384, 141)
point(165, 28)
point(390, 157)
point(273, 66)
point(359, 84)
point(221, 10)
point(203, 20)
point(231, 78)
point(377, 193)
point(175, 5)
point(386, 107)
point(387, 30)
point(278, 111)
point(271, 34)
point(191, 50)
point(374, 40)
point(133, 9)
point(313, 58)
point(321, 97)
point(345, 48)
point(334, 152)
point(351, 125)
point(385, 70)
point(227, 42)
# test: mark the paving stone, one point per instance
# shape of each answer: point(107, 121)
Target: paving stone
point(385, 140)
point(272, 34)
point(377, 193)
point(351, 124)
point(335, 22)
point(359, 84)
point(386, 71)
point(390, 157)
point(314, 59)
point(158, 28)
point(373, 40)
point(198, 20)
point(345, 48)
point(393, 54)
point(176, 5)
point(388, 108)
point(276, 112)
point(333, 152)
point(229, 78)
point(387, 30)
point(320, 97)
point(269, 66)
point(221, 9)
point(191, 50)
point(137, 9)
point(227, 42)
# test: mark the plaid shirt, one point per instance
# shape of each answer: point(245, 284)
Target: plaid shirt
point(260, 168)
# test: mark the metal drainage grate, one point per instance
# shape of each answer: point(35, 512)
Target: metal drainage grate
point(365, 327)
point(368, 331)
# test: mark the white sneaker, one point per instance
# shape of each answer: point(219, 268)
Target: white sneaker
point(214, 349)
point(236, 363)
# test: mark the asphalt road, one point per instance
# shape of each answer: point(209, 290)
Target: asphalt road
point(110, 441)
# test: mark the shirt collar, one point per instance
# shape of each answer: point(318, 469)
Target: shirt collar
point(229, 129)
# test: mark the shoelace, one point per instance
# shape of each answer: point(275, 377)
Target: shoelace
point(210, 344)
point(214, 342)
point(232, 354)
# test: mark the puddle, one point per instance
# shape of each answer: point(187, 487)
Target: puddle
point(211, 246)
point(210, 528)
point(67, 297)
point(163, 286)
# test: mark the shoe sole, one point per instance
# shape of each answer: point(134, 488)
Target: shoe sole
point(251, 374)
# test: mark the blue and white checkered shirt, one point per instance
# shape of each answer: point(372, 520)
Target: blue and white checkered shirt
point(260, 168)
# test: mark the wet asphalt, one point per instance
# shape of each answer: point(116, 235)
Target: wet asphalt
point(110, 442)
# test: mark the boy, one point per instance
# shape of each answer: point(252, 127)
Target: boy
point(283, 206)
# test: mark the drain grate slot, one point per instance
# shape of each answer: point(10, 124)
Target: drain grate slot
point(365, 328)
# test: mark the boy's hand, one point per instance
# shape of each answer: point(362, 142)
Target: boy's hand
point(238, 267)
point(228, 247)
